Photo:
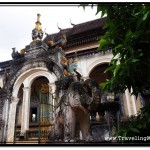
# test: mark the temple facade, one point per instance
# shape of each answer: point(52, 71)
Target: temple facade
point(29, 83)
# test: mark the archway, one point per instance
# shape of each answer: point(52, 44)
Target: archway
point(97, 73)
point(26, 79)
point(41, 110)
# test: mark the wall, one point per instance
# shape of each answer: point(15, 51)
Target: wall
point(1, 81)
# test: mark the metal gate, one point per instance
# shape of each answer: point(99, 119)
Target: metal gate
point(45, 114)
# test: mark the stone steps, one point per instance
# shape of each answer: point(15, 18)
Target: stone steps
point(27, 142)
point(30, 141)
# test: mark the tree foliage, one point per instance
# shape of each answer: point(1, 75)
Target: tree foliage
point(136, 126)
point(128, 35)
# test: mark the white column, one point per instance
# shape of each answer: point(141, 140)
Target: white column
point(51, 91)
point(82, 64)
point(25, 110)
point(133, 103)
point(52, 88)
point(11, 120)
point(128, 101)
point(5, 116)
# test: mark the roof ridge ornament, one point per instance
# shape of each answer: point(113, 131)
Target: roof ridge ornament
point(58, 27)
point(38, 23)
point(37, 33)
point(72, 23)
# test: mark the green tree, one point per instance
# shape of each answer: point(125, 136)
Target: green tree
point(128, 35)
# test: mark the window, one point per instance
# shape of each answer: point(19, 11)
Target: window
point(33, 115)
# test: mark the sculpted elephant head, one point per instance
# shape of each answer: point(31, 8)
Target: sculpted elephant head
point(72, 112)
point(76, 112)
point(77, 97)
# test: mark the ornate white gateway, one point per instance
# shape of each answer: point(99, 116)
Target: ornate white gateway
point(26, 79)
point(37, 60)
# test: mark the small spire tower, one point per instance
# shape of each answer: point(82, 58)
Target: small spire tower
point(37, 33)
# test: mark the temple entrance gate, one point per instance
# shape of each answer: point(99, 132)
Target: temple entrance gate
point(41, 110)
point(39, 106)
point(45, 115)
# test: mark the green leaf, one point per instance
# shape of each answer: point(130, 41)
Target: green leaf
point(83, 5)
point(141, 54)
point(119, 46)
point(116, 69)
point(102, 85)
point(135, 130)
point(124, 134)
point(135, 60)
point(103, 42)
point(107, 24)
point(128, 35)
point(98, 9)
point(109, 69)
point(103, 13)
point(145, 16)
point(139, 126)
point(101, 9)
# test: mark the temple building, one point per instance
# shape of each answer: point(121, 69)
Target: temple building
point(33, 83)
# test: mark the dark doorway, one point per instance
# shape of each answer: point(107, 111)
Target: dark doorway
point(98, 73)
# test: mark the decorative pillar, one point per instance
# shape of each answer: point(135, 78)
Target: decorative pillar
point(131, 106)
point(83, 63)
point(128, 101)
point(52, 102)
point(25, 112)
point(5, 116)
point(11, 120)
point(133, 103)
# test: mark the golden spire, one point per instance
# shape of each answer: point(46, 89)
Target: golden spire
point(38, 23)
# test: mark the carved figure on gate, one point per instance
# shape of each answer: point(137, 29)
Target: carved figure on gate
point(70, 66)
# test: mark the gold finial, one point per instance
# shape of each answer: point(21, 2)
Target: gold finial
point(22, 51)
point(38, 23)
point(38, 17)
